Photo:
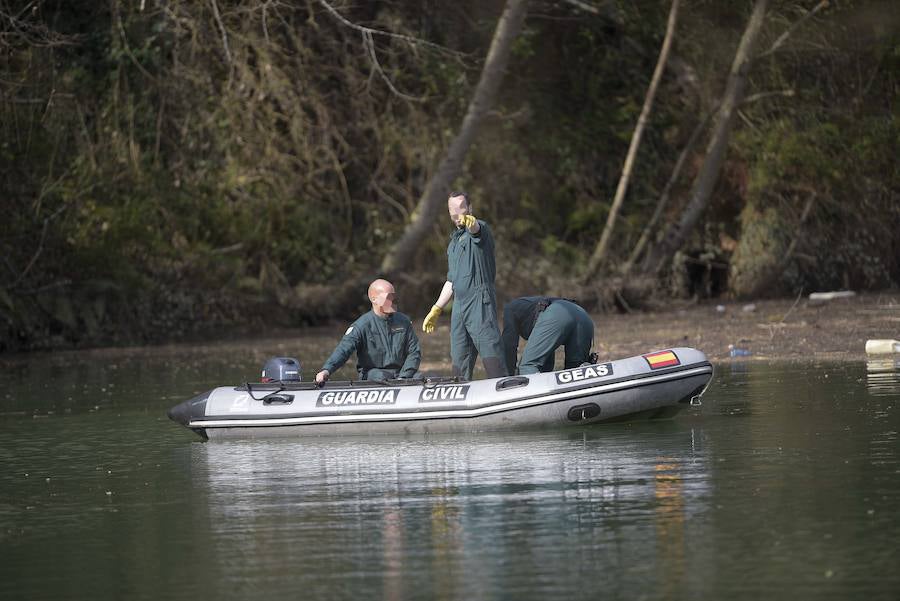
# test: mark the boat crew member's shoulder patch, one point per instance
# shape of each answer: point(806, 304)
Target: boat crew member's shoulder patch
point(571, 376)
point(662, 359)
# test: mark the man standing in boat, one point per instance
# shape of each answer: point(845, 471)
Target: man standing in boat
point(546, 323)
point(383, 339)
point(470, 283)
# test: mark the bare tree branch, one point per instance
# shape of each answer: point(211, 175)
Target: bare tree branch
point(39, 250)
point(701, 191)
point(790, 30)
point(369, 44)
point(762, 95)
point(128, 51)
point(221, 25)
point(398, 36)
point(17, 28)
point(584, 6)
point(664, 195)
point(599, 254)
point(508, 27)
point(607, 9)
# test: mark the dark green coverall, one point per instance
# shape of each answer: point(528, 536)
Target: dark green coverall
point(473, 322)
point(562, 322)
point(386, 347)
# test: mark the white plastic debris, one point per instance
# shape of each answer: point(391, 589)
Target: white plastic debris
point(824, 297)
point(882, 347)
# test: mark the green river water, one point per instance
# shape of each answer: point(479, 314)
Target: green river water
point(784, 484)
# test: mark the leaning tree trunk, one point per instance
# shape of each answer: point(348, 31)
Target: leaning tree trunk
point(666, 192)
point(401, 254)
point(600, 251)
point(705, 182)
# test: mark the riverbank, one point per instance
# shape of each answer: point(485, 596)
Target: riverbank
point(781, 329)
point(770, 330)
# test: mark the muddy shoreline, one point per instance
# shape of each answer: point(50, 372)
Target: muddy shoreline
point(780, 329)
point(771, 330)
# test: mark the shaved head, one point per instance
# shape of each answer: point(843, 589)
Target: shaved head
point(382, 295)
point(380, 286)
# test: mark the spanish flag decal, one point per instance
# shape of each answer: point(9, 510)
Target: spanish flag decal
point(662, 359)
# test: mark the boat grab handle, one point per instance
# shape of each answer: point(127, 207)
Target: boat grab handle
point(583, 412)
point(278, 399)
point(513, 382)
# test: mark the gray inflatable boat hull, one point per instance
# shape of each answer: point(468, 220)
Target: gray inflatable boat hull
point(652, 386)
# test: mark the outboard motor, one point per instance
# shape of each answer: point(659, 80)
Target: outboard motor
point(283, 369)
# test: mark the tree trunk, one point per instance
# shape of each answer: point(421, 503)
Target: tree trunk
point(706, 179)
point(664, 195)
point(600, 251)
point(401, 254)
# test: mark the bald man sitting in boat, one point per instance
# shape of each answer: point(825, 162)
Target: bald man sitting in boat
point(383, 339)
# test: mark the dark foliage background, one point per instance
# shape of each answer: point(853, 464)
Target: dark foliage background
point(169, 167)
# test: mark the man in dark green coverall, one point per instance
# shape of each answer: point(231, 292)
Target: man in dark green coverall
point(470, 282)
point(384, 340)
point(546, 323)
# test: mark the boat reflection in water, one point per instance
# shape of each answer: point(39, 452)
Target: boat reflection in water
point(883, 375)
point(670, 510)
point(456, 516)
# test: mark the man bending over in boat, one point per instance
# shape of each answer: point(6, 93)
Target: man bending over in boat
point(546, 323)
point(384, 340)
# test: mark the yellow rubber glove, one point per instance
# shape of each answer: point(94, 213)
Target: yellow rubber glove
point(431, 319)
point(467, 221)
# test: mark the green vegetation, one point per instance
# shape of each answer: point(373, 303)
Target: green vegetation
point(169, 168)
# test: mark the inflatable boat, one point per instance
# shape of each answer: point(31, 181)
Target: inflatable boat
point(652, 386)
